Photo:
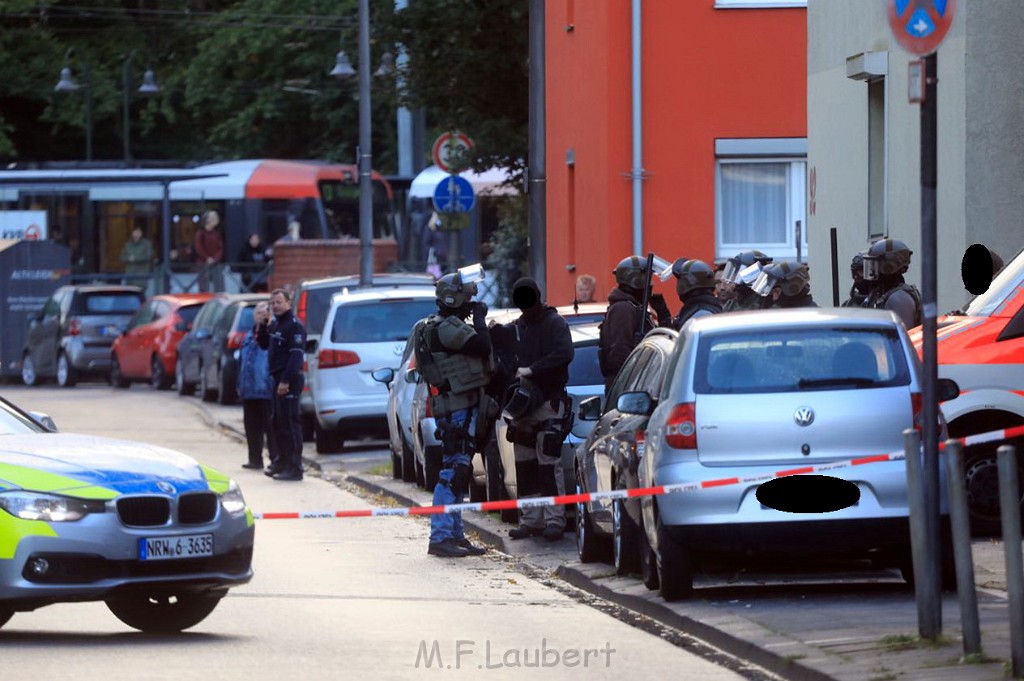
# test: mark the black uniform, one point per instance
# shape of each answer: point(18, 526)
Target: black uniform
point(703, 302)
point(284, 338)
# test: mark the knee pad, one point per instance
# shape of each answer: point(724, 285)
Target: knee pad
point(550, 439)
point(461, 478)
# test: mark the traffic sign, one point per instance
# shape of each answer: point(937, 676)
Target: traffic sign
point(454, 194)
point(920, 25)
point(449, 148)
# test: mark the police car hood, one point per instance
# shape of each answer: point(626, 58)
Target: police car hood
point(65, 463)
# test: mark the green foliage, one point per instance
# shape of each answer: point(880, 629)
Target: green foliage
point(509, 247)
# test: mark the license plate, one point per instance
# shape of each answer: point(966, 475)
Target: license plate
point(169, 548)
point(110, 331)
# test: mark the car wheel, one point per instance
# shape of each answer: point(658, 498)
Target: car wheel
point(163, 613)
point(184, 387)
point(648, 561)
point(495, 479)
point(625, 542)
point(981, 479)
point(159, 378)
point(28, 371)
point(675, 567)
point(421, 475)
point(67, 376)
point(431, 468)
point(206, 393)
point(408, 463)
point(117, 378)
point(588, 545)
point(327, 441)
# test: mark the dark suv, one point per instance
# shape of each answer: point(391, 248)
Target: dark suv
point(73, 333)
point(206, 355)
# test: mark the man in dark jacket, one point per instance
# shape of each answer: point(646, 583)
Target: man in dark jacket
point(539, 424)
point(695, 286)
point(624, 322)
point(284, 338)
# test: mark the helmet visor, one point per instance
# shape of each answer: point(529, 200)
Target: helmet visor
point(750, 273)
point(731, 272)
point(872, 268)
point(662, 268)
point(763, 284)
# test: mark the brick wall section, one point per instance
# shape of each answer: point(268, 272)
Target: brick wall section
point(315, 258)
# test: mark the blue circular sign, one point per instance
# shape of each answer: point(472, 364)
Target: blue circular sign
point(454, 194)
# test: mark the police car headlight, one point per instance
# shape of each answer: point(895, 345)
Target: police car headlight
point(50, 508)
point(232, 501)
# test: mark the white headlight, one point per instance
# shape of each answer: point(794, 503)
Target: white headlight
point(232, 501)
point(48, 507)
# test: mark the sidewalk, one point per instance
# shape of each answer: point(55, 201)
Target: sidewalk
point(820, 630)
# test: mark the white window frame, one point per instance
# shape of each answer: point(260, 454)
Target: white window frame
point(758, 4)
point(747, 151)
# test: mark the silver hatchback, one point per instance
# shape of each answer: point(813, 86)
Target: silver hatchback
point(763, 395)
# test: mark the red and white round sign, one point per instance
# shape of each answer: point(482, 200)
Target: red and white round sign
point(32, 233)
point(448, 148)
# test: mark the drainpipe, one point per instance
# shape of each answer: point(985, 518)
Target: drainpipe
point(637, 173)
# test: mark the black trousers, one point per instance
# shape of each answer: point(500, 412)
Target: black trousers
point(288, 432)
point(256, 415)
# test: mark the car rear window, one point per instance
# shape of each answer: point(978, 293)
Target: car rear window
point(790, 360)
point(188, 312)
point(585, 369)
point(108, 303)
point(318, 302)
point(379, 320)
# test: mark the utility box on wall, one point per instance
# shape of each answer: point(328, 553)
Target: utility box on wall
point(30, 271)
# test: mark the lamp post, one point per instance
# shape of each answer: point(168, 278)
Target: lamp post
point(149, 87)
point(67, 83)
point(343, 70)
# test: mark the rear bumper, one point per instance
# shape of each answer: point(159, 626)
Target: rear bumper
point(91, 358)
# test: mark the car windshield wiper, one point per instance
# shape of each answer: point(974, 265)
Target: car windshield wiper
point(847, 380)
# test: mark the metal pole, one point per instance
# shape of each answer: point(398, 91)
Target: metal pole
point(365, 151)
point(636, 110)
point(1009, 509)
point(929, 176)
point(165, 225)
point(835, 267)
point(537, 189)
point(960, 523)
point(929, 622)
point(88, 110)
point(126, 77)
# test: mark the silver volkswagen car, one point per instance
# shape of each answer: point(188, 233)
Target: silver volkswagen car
point(771, 393)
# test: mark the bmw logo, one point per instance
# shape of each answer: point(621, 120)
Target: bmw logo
point(165, 487)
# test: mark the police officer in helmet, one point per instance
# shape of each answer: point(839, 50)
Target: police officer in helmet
point(624, 322)
point(884, 265)
point(455, 357)
point(695, 286)
point(784, 284)
point(860, 288)
point(740, 273)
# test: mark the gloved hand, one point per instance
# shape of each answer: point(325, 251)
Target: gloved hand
point(659, 305)
point(479, 311)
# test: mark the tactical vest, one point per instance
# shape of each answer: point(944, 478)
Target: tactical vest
point(879, 303)
point(457, 376)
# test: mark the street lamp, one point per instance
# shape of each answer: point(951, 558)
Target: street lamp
point(364, 151)
point(149, 87)
point(67, 83)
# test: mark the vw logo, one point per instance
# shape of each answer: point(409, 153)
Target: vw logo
point(398, 350)
point(804, 416)
point(165, 487)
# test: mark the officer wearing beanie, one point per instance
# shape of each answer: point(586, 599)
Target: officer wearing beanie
point(540, 416)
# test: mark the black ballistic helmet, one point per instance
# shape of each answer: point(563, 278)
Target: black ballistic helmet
point(694, 274)
point(632, 272)
point(452, 293)
point(792, 277)
point(885, 257)
point(740, 261)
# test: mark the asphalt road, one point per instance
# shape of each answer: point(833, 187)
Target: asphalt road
point(331, 599)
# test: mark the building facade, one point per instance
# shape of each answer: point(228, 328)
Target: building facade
point(696, 146)
point(864, 138)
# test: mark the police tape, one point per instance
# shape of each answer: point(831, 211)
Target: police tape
point(565, 499)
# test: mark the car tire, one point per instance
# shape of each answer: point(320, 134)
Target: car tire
point(495, 478)
point(183, 387)
point(5, 615)
point(307, 427)
point(67, 375)
point(163, 613)
point(589, 546)
point(431, 468)
point(421, 475)
point(981, 480)
point(225, 388)
point(159, 378)
point(29, 375)
point(625, 539)
point(396, 465)
point(675, 567)
point(206, 393)
point(648, 561)
point(947, 573)
point(117, 378)
point(327, 441)
point(408, 463)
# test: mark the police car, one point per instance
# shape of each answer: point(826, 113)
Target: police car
point(151, 532)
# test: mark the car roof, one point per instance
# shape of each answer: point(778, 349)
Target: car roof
point(585, 332)
point(183, 298)
point(367, 294)
point(104, 288)
point(804, 316)
point(382, 279)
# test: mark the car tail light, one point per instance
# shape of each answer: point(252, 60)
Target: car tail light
point(235, 339)
point(639, 442)
point(300, 307)
point(917, 407)
point(332, 359)
point(74, 326)
point(681, 428)
point(428, 412)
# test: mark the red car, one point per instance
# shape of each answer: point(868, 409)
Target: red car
point(146, 350)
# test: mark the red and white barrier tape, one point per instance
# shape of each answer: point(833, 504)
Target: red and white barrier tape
point(486, 506)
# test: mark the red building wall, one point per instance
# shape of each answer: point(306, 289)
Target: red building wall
point(707, 73)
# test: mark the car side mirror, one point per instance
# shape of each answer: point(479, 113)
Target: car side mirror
point(947, 389)
point(590, 408)
point(384, 375)
point(311, 346)
point(44, 420)
point(639, 403)
point(412, 376)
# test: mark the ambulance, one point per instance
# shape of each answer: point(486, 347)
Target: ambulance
point(982, 349)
